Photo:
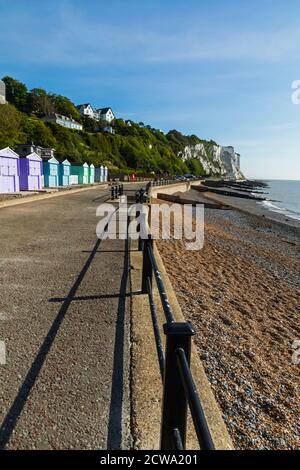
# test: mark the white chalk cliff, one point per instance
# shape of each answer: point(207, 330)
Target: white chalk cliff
point(222, 161)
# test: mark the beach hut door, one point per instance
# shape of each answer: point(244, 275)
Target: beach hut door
point(8, 172)
point(53, 176)
point(34, 175)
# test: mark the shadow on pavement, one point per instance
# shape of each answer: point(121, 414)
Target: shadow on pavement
point(15, 410)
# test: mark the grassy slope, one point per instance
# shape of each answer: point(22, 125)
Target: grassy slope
point(130, 149)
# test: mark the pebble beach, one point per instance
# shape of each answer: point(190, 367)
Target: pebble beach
point(241, 292)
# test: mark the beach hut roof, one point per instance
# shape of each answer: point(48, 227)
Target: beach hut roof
point(92, 166)
point(8, 152)
point(34, 156)
point(52, 160)
point(85, 164)
point(66, 162)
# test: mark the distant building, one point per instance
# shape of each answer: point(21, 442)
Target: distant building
point(142, 125)
point(88, 110)
point(109, 129)
point(129, 123)
point(27, 149)
point(106, 114)
point(2, 92)
point(63, 121)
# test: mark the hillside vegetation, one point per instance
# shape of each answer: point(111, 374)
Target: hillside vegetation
point(131, 149)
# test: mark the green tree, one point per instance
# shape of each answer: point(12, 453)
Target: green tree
point(35, 130)
point(40, 103)
point(9, 126)
point(16, 93)
point(65, 107)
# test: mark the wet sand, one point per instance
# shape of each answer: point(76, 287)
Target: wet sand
point(241, 291)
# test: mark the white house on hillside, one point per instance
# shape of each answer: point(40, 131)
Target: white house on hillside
point(2, 92)
point(109, 129)
point(106, 114)
point(63, 121)
point(88, 110)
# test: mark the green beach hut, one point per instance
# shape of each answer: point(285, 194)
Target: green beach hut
point(92, 174)
point(82, 172)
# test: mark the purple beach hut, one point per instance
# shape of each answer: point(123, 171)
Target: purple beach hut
point(31, 172)
point(9, 171)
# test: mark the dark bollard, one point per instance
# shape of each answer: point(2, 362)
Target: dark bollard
point(147, 265)
point(175, 405)
point(141, 244)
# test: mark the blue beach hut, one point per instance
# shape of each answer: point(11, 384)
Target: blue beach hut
point(51, 173)
point(64, 173)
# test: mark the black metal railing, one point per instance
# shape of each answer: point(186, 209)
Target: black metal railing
point(179, 389)
point(162, 182)
point(141, 196)
point(116, 191)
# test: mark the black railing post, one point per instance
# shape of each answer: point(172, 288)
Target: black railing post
point(141, 241)
point(147, 265)
point(175, 403)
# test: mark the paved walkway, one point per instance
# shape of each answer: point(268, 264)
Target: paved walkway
point(64, 316)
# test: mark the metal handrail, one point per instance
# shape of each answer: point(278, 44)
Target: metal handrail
point(199, 420)
point(174, 366)
point(158, 341)
point(117, 190)
point(160, 285)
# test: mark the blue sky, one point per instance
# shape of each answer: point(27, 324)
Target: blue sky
point(219, 69)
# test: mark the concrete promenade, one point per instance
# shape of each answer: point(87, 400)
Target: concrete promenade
point(64, 317)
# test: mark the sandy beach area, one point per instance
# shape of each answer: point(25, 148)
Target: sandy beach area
point(241, 292)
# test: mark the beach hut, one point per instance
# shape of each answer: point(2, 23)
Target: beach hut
point(82, 172)
point(97, 175)
point(9, 171)
point(91, 174)
point(105, 174)
point(85, 174)
point(51, 173)
point(31, 172)
point(64, 173)
point(101, 174)
point(73, 179)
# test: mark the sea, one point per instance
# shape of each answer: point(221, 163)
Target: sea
point(283, 196)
